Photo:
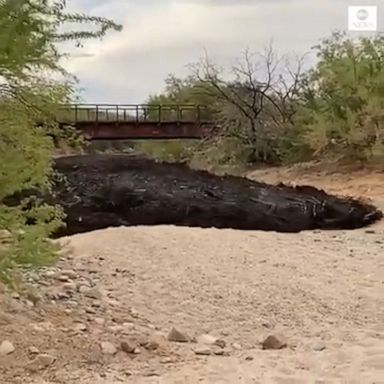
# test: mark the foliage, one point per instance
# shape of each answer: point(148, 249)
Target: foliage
point(188, 91)
point(270, 110)
point(167, 150)
point(253, 108)
point(182, 92)
point(343, 97)
point(29, 33)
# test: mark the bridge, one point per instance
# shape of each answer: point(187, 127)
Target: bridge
point(121, 122)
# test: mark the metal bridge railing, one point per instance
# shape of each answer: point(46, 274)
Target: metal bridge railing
point(75, 113)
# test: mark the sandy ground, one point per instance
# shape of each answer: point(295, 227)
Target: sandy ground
point(321, 291)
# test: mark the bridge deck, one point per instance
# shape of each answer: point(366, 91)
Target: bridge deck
point(119, 122)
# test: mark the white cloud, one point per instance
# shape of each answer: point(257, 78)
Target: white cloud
point(164, 36)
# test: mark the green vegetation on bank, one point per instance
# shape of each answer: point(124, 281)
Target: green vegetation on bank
point(30, 33)
point(273, 111)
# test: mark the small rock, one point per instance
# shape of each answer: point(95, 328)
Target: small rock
point(95, 355)
point(249, 358)
point(5, 236)
point(116, 328)
point(33, 277)
point(29, 303)
point(46, 325)
point(33, 351)
point(108, 348)
point(151, 345)
point(142, 341)
point(128, 328)
point(220, 343)
point(33, 296)
point(210, 340)
point(49, 274)
point(177, 336)
point(69, 287)
point(370, 231)
point(237, 346)
point(274, 342)
point(80, 327)
point(134, 313)
point(151, 373)
point(92, 293)
point(166, 360)
point(318, 347)
point(137, 351)
point(82, 285)
point(51, 295)
point(207, 339)
point(127, 347)
point(70, 273)
point(221, 352)
point(15, 296)
point(6, 348)
point(62, 296)
point(63, 278)
point(99, 320)
point(113, 303)
point(72, 303)
point(203, 351)
point(90, 311)
point(46, 360)
point(5, 318)
point(37, 328)
point(41, 361)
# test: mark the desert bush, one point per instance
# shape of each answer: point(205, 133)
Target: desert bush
point(30, 31)
point(270, 110)
point(176, 150)
point(343, 98)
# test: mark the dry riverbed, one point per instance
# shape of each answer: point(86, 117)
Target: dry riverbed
point(181, 305)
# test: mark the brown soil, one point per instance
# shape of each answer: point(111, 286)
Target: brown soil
point(321, 290)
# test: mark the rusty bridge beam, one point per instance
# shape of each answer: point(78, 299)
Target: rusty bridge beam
point(119, 122)
point(144, 130)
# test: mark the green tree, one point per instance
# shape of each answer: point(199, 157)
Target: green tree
point(258, 101)
point(185, 91)
point(343, 97)
point(179, 100)
point(30, 33)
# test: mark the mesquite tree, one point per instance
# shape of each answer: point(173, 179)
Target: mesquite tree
point(258, 99)
point(343, 97)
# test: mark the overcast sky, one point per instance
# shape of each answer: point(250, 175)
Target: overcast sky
point(164, 36)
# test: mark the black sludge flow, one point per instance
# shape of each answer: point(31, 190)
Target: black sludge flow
point(112, 190)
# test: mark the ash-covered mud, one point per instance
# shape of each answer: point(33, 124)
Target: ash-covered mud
point(114, 190)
